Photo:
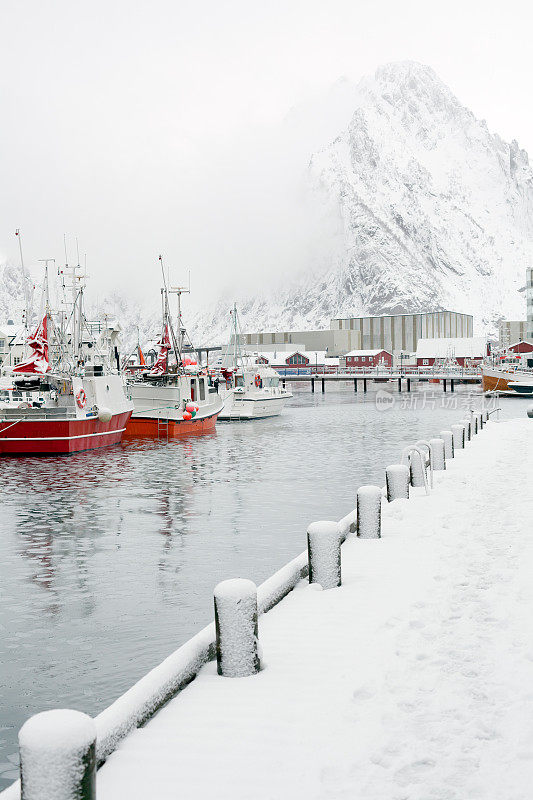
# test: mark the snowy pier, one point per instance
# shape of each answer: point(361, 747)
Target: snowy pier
point(410, 679)
point(403, 380)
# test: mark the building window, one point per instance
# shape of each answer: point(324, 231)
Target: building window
point(425, 362)
point(297, 358)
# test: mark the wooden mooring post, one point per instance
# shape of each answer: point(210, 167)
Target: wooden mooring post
point(236, 628)
point(58, 756)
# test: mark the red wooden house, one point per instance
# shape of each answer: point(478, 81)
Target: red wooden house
point(368, 359)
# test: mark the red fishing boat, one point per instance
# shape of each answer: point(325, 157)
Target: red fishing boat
point(73, 401)
point(176, 397)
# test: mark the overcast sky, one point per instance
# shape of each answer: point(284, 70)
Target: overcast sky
point(148, 127)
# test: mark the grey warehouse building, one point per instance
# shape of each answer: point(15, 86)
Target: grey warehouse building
point(335, 342)
point(401, 332)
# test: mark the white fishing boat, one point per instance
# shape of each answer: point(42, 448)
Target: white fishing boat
point(507, 379)
point(248, 390)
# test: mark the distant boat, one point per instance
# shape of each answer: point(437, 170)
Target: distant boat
point(249, 390)
point(508, 381)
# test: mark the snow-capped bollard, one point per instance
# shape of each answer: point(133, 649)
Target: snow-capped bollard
point(447, 438)
point(58, 756)
point(324, 553)
point(436, 454)
point(459, 433)
point(416, 461)
point(236, 628)
point(485, 417)
point(397, 479)
point(481, 421)
point(369, 512)
point(468, 429)
point(530, 411)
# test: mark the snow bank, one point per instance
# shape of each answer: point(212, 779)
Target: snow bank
point(411, 680)
point(426, 565)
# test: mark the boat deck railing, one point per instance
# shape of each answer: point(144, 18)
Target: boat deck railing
point(36, 414)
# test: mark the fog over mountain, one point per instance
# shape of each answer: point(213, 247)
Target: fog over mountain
point(411, 205)
point(432, 212)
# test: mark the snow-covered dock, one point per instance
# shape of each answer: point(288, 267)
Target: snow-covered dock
point(413, 679)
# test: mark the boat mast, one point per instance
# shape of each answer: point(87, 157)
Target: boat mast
point(166, 315)
point(237, 355)
point(24, 282)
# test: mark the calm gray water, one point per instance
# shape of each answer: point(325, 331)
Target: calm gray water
point(108, 559)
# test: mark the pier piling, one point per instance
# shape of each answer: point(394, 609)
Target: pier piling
point(437, 454)
point(324, 553)
point(459, 435)
point(58, 756)
point(369, 512)
point(236, 628)
point(397, 480)
point(468, 429)
point(447, 437)
point(417, 468)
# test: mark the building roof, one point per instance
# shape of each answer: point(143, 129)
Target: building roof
point(465, 347)
point(9, 331)
point(405, 314)
point(368, 352)
point(280, 356)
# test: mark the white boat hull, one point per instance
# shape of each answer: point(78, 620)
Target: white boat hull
point(256, 405)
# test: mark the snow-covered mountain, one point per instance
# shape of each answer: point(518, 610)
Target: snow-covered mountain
point(421, 208)
point(433, 212)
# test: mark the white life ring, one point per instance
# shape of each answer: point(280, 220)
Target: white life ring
point(81, 398)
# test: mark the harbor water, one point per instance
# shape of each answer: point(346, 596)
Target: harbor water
point(108, 559)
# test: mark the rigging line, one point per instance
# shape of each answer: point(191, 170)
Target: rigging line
point(167, 319)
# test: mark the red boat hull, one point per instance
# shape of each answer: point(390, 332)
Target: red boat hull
point(150, 428)
point(56, 437)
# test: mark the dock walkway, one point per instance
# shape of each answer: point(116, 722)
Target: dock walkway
point(414, 679)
